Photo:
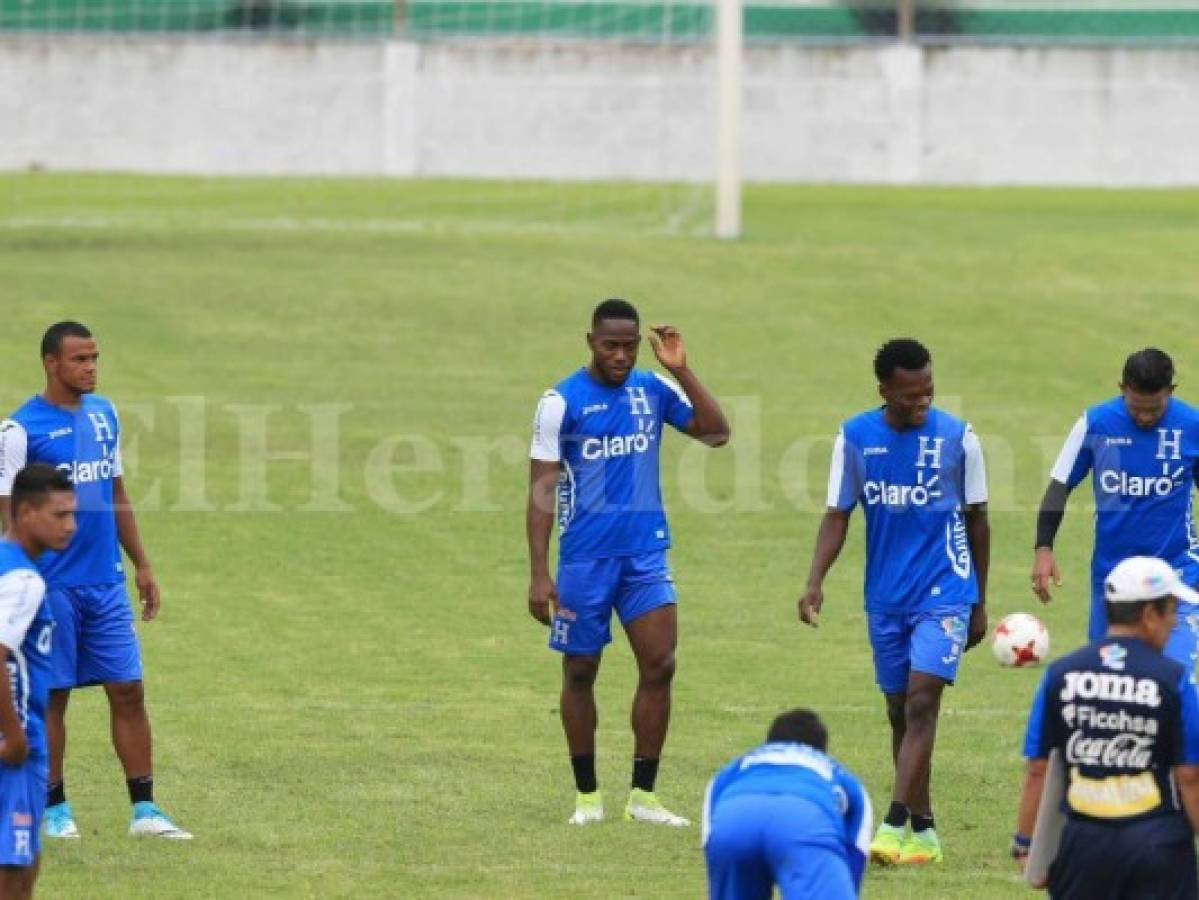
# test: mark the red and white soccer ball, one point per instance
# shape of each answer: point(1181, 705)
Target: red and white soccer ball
point(1020, 640)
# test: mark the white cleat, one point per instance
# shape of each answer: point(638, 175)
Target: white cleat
point(150, 821)
point(589, 808)
point(59, 822)
point(644, 806)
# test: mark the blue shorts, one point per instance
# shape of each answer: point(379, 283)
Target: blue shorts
point(94, 638)
point(757, 841)
point(931, 641)
point(589, 590)
point(22, 802)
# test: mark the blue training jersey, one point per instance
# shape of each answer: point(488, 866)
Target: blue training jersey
point(26, 630)
point(802, 771)
point(606, 439)
point(1123, 716)
point(84, 443)
point(1142, 480)
point(912, 485)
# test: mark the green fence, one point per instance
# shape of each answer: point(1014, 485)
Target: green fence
point(652, 20)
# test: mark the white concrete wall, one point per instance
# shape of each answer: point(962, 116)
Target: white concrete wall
point(599, 111)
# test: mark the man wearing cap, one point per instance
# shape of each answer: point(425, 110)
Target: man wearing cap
point(1126, 721)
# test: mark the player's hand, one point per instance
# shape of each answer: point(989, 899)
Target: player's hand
point(14, 750)
point(977, 629)
point(809, 606)
point(667, 342)
point(1044, 569)
point(543, 597)
point(147, 592)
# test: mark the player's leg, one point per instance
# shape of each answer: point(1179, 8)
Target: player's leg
point(109, 654)
point(579, 631)
point(1161, 871)
point(734, 853)
point(889, 647)
point(59, 818)
point(646, 606)
point(1183, 643)
point(938, 638)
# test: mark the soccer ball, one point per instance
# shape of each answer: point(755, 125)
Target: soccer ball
point(1020, 640)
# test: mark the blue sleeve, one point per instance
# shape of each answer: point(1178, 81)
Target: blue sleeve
point(1035, 736)
point(1189, 751)
point(716, 787)
point(859, 824)
point(676, 408)
point(844, 474)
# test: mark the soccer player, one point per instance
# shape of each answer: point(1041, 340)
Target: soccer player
point(786, 813)
point(594, 457)
point(1126, 719)
point(42, 518)
point(918, 473)
point(1141, 449)
point(77, 432)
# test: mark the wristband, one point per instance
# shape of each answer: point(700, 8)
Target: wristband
point(1020, 846)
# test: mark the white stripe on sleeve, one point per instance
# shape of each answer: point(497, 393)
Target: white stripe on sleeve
point(866, 825)
point(674, 386)
point(547, 426)
point(705, 828)
point(21, 592)
point(976, 468)
point(14, 453)
point(1069, 455)
point(836, 472)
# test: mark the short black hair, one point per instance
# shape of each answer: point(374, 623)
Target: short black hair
point(35, 483)
point(1148, 371)
point(52, 339)
point(615, 308)
point(900, 353)
point(799, 726)
point(1129, 613)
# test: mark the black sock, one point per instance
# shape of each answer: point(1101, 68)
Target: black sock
point(645, 773)
point(584, 767)
point(56, 793)
point(141, 789)
point(897, 815)
point(922, 823)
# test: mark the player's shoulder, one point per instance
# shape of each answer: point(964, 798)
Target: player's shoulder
point(866, 424)
point(1107, 414)
point(14, 560)
point(97, 403)
point(1182, 411)
point(29, 414)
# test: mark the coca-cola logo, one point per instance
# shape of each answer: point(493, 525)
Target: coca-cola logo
point(1121, 751)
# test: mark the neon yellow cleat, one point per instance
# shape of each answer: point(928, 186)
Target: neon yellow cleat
point(644, 806)
point(921, 847)
point(589, 808)
point(887, 846)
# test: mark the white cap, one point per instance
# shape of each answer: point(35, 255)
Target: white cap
point(1145, 578)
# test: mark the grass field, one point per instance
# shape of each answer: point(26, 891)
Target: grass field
point(353, 702)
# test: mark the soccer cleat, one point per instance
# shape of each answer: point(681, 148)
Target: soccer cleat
point(921, 847)
point(588, 808)
point(60, 821)
point(150, 821)
point(644, 806)
point(887, 845)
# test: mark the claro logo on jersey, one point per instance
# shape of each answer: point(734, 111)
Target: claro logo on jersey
point(926, 488)
point(87, 472)
point(1122, 484)
point(617, 445)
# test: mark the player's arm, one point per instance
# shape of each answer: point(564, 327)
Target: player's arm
point(545, 462)
point(1036, 752)
point(844, 482)
point(978, 531)
point(1186, 771)
point(707, 422)
point(14, 454)
point(1071, 466)
point(14, 747)
point(21, 594)
point(859, 826)
point(131, 542)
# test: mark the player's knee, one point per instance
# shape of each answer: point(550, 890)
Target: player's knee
point(897, 711)
point(578, 674)
point(126, 694)
point(658, 670)
point(922, 708)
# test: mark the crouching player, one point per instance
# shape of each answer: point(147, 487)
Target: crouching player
point(786, 813)
point(42, 518)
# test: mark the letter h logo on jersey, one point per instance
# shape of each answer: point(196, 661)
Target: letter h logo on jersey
point(101, 426)
point(638, 402)
point(929, 457)
point(1169, 447)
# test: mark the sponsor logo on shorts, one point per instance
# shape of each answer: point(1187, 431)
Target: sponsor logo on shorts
point(22, 820)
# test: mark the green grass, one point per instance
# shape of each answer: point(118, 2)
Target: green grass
point(355, 703)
